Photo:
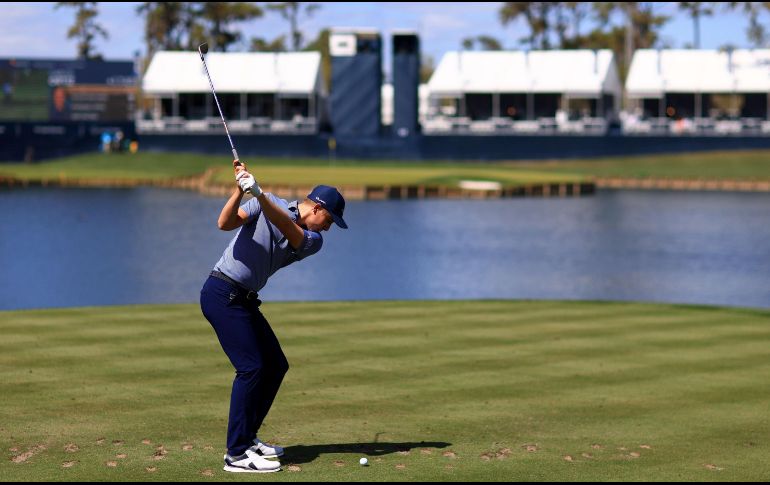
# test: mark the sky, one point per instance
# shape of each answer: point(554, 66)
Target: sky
point(38, 30)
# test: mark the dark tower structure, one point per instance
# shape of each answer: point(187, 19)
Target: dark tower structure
point(406, 82)
point(355, 101)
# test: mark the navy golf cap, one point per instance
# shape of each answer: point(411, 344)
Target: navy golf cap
point(331, 199)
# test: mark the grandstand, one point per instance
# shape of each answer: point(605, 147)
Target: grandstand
point(259, 93)
point(477, 105)
point(698, 93)
point(523, 92)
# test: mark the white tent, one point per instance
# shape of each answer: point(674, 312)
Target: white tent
point(257, 91)
point(656, 72)
point(234, 72)
point(584, 73)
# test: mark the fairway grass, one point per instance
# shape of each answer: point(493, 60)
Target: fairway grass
point(427, 390)
point(145, 167)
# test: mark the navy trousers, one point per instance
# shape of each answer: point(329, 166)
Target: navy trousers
point(254, 351)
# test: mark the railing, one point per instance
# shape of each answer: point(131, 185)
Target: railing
point(695, 126)
point(438, 125)
point(258, 125)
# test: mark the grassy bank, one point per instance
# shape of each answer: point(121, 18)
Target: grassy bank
point(747, 165)
point(733, 165)
point(442, 391)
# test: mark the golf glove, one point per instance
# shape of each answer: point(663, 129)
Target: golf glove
point(247, 183)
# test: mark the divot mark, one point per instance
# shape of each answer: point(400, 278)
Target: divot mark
point(21, 458)
point(160, 453)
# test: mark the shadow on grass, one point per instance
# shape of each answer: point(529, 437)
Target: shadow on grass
point(305, 454)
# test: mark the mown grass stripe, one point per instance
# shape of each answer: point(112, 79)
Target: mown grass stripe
point(478, 375)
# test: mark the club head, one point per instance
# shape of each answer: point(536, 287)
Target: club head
point(203, 49)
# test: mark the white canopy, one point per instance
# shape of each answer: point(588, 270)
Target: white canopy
point(234, 72)
point(575, 72)
point(655, 72)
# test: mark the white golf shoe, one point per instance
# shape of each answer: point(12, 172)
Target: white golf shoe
point(266, 450)
point(250, 462)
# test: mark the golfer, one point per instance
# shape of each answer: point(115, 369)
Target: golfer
point(271, 234)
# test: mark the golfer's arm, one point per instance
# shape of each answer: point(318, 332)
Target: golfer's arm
point(293, 233)
point(232, 216)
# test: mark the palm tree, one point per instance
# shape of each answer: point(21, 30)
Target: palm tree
point(291, 11)
point(85, 29)
point(696, 11)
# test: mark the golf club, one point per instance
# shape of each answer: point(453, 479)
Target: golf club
point(202, 50)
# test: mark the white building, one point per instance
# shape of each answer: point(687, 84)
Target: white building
point(257, 91)
point(524, 91)
point(698, 91)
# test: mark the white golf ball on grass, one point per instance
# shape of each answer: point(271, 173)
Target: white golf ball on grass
point(363, 461)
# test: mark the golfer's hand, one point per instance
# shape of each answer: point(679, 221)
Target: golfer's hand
point(239, 168)
point(245, 180)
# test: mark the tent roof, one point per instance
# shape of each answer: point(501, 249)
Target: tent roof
point(584, 72)
point(233, 72)
point(654, 72)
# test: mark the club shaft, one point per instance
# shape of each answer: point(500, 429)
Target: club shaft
point(235, 154)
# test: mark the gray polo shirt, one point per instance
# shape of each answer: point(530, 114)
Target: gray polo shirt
point(259, 249)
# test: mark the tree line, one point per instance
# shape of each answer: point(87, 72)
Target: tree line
point(186, 25)
point(173, 26)
point(620, 26)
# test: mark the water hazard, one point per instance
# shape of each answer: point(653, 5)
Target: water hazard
point(83, 247)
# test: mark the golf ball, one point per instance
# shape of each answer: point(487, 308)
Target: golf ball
point(363, 461)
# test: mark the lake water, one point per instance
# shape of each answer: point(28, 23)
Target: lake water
point(83, 247)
